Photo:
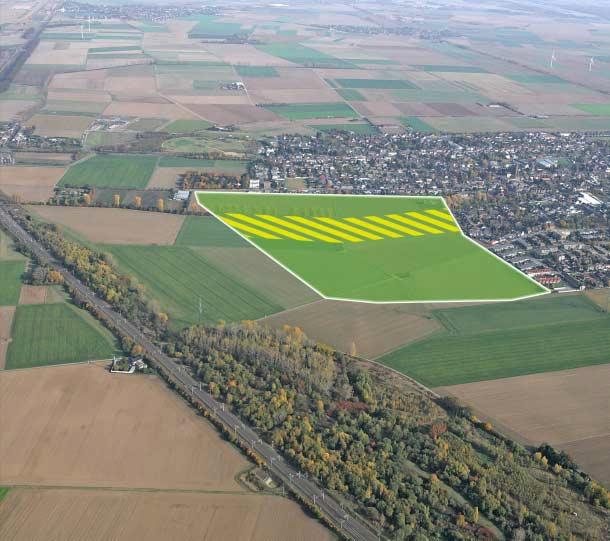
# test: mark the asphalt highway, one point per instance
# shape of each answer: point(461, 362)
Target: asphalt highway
point(347, 522)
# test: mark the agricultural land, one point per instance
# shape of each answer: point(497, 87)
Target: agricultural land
point(388, 249)
point(181, 464)
point(488, 342)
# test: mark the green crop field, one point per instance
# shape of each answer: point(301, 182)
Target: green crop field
point(303, 111)
point(10, 281)
point(300, 54)
point(596, 109)
point(380, 249)
point(536, 78)
point(54, 334)
point(393, 84)
point(114, 171)
point(178, 277)
point(208, 26)
point(3, 492)
point(450, 69)
point(417, 124)
point(510, 339)
point(350, 94)
point(208, 231)
point(363, 129)
point(256, 71)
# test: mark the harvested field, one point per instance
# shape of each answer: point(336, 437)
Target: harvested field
point(568, 409)
point(294, 95)
point(374, 329)
point(601, 297)
point(98, 515)
point(43, 158)
point(15, 109)
point(30, 183)
point(83, 426)
point(114, 226)
point(149, 110)
point(231, 114)
point(6, 321)
point(60, 125)
point(33, 294)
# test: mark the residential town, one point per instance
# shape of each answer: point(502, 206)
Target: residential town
point(538, 200)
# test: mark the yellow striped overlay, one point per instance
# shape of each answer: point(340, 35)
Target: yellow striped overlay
point(340, 230)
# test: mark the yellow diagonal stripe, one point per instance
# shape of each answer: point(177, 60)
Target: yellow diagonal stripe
point(248, 229)
point(392, 225)
point(423, 227)
point(441, 214)
point(350, 228)
point(263, 225)
point(433, 221)
point(300, 229)
point(326, 229)
point(375, 228)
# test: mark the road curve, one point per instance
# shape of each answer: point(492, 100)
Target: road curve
point(351, 526)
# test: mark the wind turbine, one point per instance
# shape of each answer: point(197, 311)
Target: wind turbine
point(591, 64)
point(553, 59)
point(82, 35)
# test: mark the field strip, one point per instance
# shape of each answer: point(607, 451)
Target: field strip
point(398, 227)
point(351, 228)
point(375, 228)
point(593, 437)
point(440, 214)
point(434, 221)
point(423, 227)
point(43, 366)
point(325, 228)
point(299, 228)
point(270, 227)
point(251, 230)
point(138, 489)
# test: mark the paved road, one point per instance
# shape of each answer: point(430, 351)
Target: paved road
point(350, 524)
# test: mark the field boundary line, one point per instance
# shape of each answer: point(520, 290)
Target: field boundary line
point(92, 361)
point(27, 486)
point(291, 309)
point(545, 291)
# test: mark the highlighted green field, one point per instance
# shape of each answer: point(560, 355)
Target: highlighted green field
point(371, 248)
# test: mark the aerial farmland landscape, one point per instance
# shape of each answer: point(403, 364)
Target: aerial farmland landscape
point(298, 271)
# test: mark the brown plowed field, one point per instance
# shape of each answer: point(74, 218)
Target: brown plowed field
point(32, 294)
point(6, 321)
point(60, 125)
point(115, 226)
point(79, 425)
point(568, 409)
point(375, 329)
point(99, 515)
point(231, 114)
point(30, 183)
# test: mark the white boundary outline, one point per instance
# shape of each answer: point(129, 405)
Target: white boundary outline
point(436, 301)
